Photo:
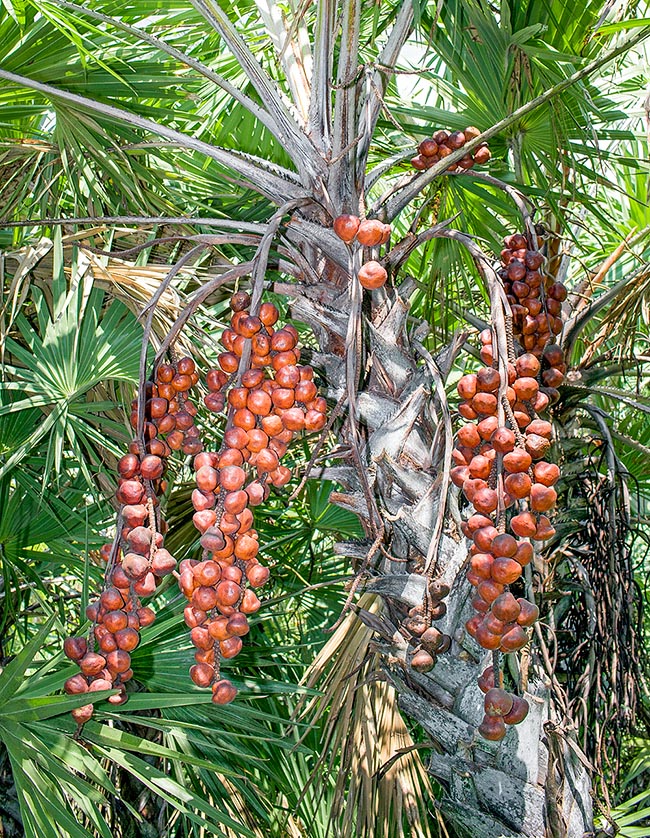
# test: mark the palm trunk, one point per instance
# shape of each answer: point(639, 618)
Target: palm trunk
point(534, 783)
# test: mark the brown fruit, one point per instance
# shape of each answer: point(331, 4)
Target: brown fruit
point(487, 380)
point(528, 613)
point(127, 639)
point(481, 565)
point(484, 537)
point(485, 404)
point(370, 232)
point(519, 711)
point(230, 647)
point(202, 674)
point(504, 545)
point(497, 702)
point(469, 436)
point(546, 473)
point(492, 728)
point(486, 638)
point(76, 685)
point(81, 715)
point(467, 386)
point(517, 461)
point(524, 525)
point(422, 661)
point(537, 446)
point(472, 625)
point(250, 602)
point(118, 661)
point(238, 624)
point(485, 500)
point(514, 639)
point(111, 599)
point(503, 440)
point(524, 554)
point(135, 566)
point(518, 485)
point(486, 679)
point(372, 275)
point(506, 608)
point(506, 571)
point(75, 647)
point(223, 692)
point(527, 366)
point(490, 590)
point(480, 467)
point(542, 498)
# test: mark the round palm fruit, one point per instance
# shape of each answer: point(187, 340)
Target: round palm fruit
point(223, 692)
point(422, 661)
point(486, 638)
point(504, 545)
point(519, 711)
point(490, 590)
point(542, 498)
point(492, 728)
point(506, 608)
point(524, 525)
point(81, 715)
point(528, 612)
point(514, 639)
point(75, 685)
point(370, 232)
point(546, 473)
point(372, 275)
point(92, 663)
point(202, 674)
point(486, 679)
point(503, 440)
point(544, 529)
point(517, 461)
point(75, 647)
point(506, 571)
point(482, 155)
point(240, 301)
point(497, 702)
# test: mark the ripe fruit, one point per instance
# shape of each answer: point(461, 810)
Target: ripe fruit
point(372, 275)
point(518, 712)
point(492, 728)
point(370, 232)
point(497, 702)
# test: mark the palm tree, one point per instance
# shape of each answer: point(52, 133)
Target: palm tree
point(242, 133)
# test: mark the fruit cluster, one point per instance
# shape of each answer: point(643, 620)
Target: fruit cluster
point(501, 707)
point(443, 143)
point(536, 300)
point(500, 466)
point(369, 233)
point(270, 398)
point(170, 413)
point(135, 564)
point(428, 641)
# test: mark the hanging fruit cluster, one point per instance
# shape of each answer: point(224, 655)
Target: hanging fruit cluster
point(269, 398)
point(369, 233)
point(136, 562)
point(499, 462)
point(427, 640)
point(443, 143)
